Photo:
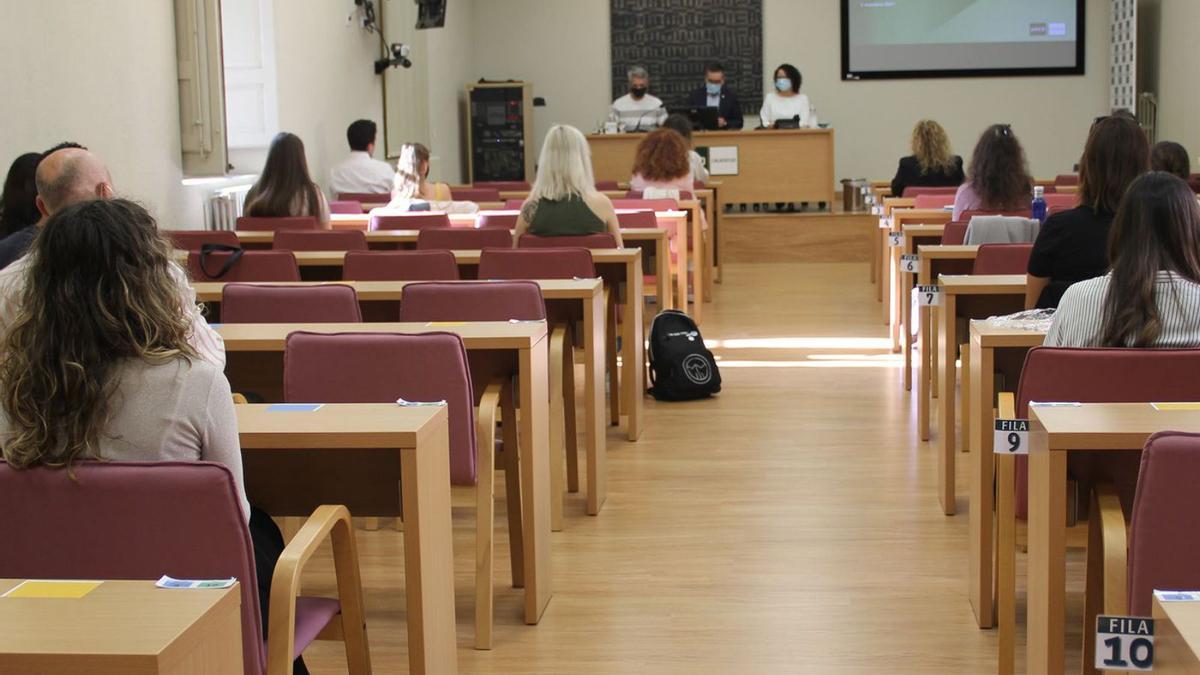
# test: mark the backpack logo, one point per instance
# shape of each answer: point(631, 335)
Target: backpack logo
point(696, 368)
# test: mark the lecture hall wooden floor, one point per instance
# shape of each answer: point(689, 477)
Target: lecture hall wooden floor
point(788, 526)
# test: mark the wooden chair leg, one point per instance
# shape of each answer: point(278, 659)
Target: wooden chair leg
point(1006, 549)
point(614, 384)
point(572, 418)
point(512, 485)
point(558, 440)
point(1107, 549)
point(965, 395)
point(485, 512)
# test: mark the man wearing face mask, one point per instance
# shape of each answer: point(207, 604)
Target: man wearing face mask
point(716, 94)
point(639, 110)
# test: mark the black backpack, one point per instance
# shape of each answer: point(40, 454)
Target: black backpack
point(681, 367)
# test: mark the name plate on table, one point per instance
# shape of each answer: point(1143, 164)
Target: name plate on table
point(1124, 643)
point(1012, 437)
point(929, 296)
point(910, 263)
point(723, 160)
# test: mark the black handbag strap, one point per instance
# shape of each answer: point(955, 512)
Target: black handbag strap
point(206, 250)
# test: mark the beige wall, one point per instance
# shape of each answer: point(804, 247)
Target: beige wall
point(449, 56)
point(1178, 73)
point(325, 79)
point(119, 98)
point(567, 60)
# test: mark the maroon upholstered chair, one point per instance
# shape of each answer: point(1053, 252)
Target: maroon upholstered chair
point(475, 194)
point(966, 216)
point(637, 219)
point(914, 191)
point(320, 240)
point(513, 204)
point(1067, 179)
point(365, 197)
point(382, 368)
point(139, 520)
point(503, 185)
point(646, 204)
point(589, 241)
point(192, 240)
point(954, 233)
point(539, 263)
point(1194, 182)
point(255, 224)
point(1002, 258)
point(493, 219)
point(607, 185)
point(1085, 376)
point(251, 266)
point(932, 200)
point(463, 238)
point(247, 303)
point(408, 221)
point(400, 266)
point(346, 207)
point(505, 301)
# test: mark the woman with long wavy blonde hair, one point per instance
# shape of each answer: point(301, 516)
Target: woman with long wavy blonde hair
point(932, 164)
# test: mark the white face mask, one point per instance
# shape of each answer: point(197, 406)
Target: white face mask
point(783, 84)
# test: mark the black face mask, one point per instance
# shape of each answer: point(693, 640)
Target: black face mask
point(638, 92)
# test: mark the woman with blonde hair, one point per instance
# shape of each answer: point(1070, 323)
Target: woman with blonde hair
point(412, 176)
point(932, 163)
point(564, 200)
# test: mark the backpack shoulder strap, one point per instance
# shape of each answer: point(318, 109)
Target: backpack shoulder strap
point(206, 250)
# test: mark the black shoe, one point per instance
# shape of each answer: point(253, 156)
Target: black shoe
point(742, 207)
point(757, 208)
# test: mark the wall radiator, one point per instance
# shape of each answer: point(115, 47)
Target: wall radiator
point(224, 206)
point(1147, 115)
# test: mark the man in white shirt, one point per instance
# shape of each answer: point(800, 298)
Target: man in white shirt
point(360, 172)
point(639, 110)
point(67, 175)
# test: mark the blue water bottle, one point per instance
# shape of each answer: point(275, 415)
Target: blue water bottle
point(1039, 204)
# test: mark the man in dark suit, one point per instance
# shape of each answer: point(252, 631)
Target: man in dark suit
point(716, 94)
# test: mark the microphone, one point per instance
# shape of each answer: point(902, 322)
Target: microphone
point(638, 127)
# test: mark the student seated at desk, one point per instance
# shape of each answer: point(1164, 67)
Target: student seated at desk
point(1073, 245)
point(412, 190)
point(662, 167)
point(1151, 298)
point(285, 187)
point(932, 163)
point(999, 177)
point(564, 200)
point(98, 363)
point(1171, 157)
point(683, 125)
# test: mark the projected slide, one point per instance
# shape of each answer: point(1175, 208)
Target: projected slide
point(930, 38)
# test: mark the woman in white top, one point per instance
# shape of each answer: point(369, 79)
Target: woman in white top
point(412, 190)
point(1151, 296)
point(786, 102)
point(98, 365)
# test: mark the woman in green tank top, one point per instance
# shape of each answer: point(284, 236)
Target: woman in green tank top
point(564, 201)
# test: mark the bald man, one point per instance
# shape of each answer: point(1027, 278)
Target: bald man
point(69, 174)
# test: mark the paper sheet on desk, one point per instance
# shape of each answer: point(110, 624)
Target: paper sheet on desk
point(64, 589)
point(1030, 319)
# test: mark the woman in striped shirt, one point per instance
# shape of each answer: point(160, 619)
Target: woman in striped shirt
point(1151, 296)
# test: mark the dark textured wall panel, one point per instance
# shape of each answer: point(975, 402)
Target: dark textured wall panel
point(673, 39)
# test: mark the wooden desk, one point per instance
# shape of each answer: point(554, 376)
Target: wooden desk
point(935, 261)
point(1001, 294)
point(794, 165)
point(123, 628)
point(915, 236)
point(881, 252)
point(895, 297)
point(586, 294)
point(254, 354)
point(1176, 637)
point(1054, 433)
point(990, 346)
